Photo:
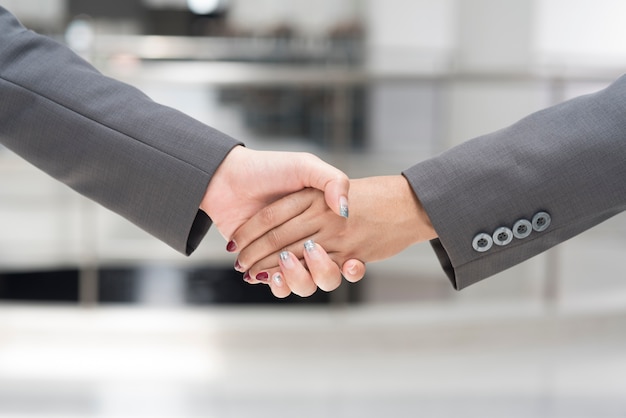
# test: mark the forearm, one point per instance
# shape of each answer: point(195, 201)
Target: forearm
point(567, 160)
point(105, 139)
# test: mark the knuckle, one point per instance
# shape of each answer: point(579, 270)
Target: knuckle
point(267, 216)
point(273, 238)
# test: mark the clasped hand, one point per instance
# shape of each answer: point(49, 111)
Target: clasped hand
point(286, 214)
point(297, 243)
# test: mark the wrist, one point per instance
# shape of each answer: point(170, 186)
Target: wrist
point(423, 228)
point(221, 181)
point(387, 219)
point(409, 218)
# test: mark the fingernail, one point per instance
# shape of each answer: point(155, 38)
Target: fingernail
point(231, 246)
point(263, 277)
point(311, 248)
point(352, 269)
point(277, 278)
point(238, 266)
point(286, 259)
point(246, 277)
point(343, 206)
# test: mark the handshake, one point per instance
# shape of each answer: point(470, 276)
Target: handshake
point(287, 216)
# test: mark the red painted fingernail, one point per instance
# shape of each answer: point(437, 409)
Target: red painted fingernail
point(263, 277)
point(238, 266)
point(246, 277)
point(231, 246)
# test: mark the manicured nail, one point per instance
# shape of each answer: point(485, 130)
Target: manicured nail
point(263, 277)
point(309, 245)
point(311, 248)
point(277, 278)
point(286, 259)
point(343, 206)
point(231, 246)
point(238, 266)
point(246, 277)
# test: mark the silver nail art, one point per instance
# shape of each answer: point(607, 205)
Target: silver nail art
point(309, 245)
point(284, 255)
point(343, 207)
point(278, 279)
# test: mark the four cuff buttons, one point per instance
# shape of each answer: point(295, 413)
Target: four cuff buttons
point(504, 235)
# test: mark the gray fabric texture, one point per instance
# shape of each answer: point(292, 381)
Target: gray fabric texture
point(105, 139)
point(568, 160)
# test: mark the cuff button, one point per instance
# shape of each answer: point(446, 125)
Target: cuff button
point(541, 221)
point(502, 236)
point(522, 229)
point(482, 242)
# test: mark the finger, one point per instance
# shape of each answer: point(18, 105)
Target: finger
point(289, 236)
point(336, 196)
point(270, 262)
point(278, 285)
point(265, 276)
point(298, 249)
point(323, 270)
point(296, 275)
point(353, 270)
point(273, 278)
point(333, 182)
point(271, 216)
point(261, 253)
point(256, 257)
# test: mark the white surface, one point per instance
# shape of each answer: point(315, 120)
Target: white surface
point(400, 361)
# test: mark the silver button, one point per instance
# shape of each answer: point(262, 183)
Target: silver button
point(482, 242)
point(541, 221)
point(522, 229)
point(502, 236)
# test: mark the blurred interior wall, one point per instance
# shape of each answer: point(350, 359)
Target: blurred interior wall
point(313, 18)
point(46, 15)
point(582, 32)
point(406, 35)
point(306, 17)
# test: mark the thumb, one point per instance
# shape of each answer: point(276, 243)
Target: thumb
point(336, 195)
point(333, 182)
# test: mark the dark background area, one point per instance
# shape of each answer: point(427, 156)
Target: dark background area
point(122, 285)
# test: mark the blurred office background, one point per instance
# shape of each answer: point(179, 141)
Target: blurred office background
point(98, 319)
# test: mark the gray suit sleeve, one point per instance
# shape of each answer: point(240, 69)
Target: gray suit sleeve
point(105, 139)
point(568, 161)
